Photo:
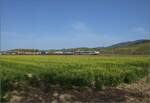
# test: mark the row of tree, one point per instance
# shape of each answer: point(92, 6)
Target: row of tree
point(26, 50)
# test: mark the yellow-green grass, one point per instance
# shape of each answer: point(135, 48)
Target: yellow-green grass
point(92, 71)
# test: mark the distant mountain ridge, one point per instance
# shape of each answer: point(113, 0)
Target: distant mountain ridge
point(129, 43)
point(137, 47)
point(132, 47)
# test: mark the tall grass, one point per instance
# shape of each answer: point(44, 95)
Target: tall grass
point(92, 71)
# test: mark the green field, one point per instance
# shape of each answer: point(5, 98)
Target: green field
point(92, 71)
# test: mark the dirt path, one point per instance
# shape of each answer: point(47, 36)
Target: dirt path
point(138, 92)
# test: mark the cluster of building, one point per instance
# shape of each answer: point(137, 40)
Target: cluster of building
point(9, 52)
point(50, 53)
point(76, 52)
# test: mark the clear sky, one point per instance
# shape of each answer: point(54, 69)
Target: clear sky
point(53, 24)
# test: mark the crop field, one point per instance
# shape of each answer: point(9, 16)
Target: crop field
point(91, 71)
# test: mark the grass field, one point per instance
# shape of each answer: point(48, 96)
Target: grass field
point(92, 71)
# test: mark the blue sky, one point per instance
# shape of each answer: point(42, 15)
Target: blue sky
point(53, 24)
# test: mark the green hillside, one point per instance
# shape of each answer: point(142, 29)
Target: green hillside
point(134, 47)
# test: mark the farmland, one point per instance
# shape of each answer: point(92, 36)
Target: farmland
point(95, 72)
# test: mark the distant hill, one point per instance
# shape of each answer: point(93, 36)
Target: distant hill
point(137, 47)
point(130, 43)
point(131, 47)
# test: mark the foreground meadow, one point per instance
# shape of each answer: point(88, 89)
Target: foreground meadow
point(95, 72)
